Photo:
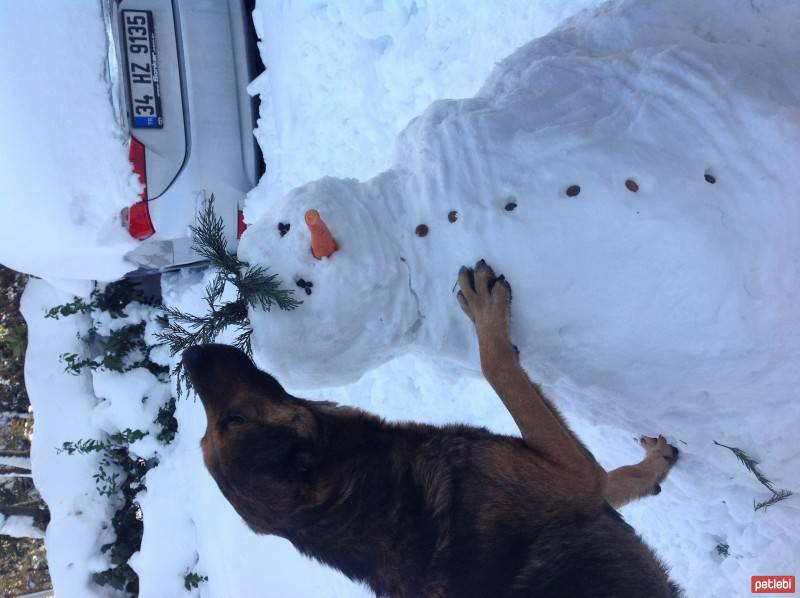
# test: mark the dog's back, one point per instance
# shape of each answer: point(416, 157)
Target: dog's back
point(513, 534)
point(459, 511)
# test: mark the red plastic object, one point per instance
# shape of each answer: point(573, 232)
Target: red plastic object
point(137, 158)
point(242, 225)
point(139, 224)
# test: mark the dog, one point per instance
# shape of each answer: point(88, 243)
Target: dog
point(416, 510)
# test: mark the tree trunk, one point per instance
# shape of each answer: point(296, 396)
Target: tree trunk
point(17, 462)
point(9, 471)
point(18, 454)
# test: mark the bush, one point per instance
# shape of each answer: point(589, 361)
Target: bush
point(111, 298)
point(122, 578)
point(193, 580)
point(121, 351)
point(120, 476)
point(166, 419)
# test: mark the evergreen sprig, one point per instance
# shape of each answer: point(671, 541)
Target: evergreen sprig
point(111, 298)
point(113, 441)
point(776, 497)
point(193, 580)
point(752, 466)
point(255, 288)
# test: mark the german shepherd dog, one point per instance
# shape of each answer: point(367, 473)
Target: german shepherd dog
point(415, 510)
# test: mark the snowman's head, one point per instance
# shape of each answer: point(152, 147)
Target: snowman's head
point(360, 311)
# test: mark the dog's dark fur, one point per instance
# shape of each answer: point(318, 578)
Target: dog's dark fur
point(415, 510)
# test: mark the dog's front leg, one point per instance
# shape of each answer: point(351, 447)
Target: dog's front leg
point(486, 300)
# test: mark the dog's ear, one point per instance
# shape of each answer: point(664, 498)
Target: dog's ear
point(219, 373)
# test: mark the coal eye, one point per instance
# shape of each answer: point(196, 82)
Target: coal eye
point(232, 418)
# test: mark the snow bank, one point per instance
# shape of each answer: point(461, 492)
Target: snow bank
point(79, 517)
point(63, 161)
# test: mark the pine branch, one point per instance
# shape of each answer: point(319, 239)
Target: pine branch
point(215, 289)
point(258, 289)
point(254, 288)
point(182, 381)
point(751, 465)
point(776, 497)
point(208, 239)
point(243, 340)
point(186, 330)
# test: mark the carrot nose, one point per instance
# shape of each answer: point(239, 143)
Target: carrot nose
point(322, 242)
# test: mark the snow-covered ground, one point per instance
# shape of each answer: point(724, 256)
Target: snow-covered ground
point(670, 310)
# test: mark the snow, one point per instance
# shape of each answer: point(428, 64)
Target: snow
point(20, 462)
point(63, 161)
point(19, 527)
point(62, 405)
point(372, 67)
point(670, 310)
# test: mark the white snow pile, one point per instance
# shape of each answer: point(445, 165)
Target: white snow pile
point(89, 405)
point(64, 165)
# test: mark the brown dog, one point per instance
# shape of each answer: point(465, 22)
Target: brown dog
point(421, 511)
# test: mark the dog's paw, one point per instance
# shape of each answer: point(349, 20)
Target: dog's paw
point(659, 459)
point(660, 447)
point(485, 298)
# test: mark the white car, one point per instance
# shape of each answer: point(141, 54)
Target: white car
point(178, 72)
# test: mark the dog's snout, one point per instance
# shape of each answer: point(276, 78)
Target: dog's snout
point(202, 364)
point(192, 357)
point(200, 358)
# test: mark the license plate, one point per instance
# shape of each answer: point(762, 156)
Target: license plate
point(140, 51)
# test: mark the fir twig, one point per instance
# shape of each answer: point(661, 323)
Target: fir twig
point(255, 288)
point(258, 289)
point(751, 465)
point(208, 239)
point(776, 497)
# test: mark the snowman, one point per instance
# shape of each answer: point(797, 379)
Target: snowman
point(633, 174)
